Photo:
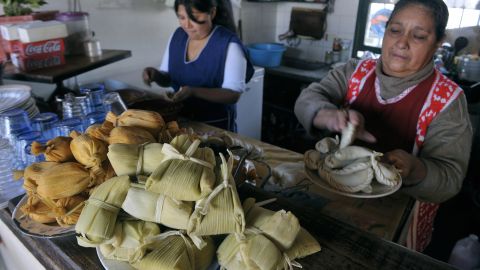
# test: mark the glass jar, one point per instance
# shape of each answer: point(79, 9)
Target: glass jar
point(78, 31)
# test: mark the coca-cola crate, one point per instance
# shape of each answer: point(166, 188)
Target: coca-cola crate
point(11, 46)
point(44, 47)
point(37, 61)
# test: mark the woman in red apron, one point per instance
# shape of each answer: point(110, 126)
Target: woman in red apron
point(402, 106)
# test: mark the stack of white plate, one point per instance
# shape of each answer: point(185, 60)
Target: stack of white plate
point(17, 96)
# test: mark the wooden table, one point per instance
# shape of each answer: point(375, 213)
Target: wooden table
point(384, 217)
point(343, 246)
point(75, 65)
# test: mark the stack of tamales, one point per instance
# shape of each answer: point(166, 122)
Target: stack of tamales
point(272, 240)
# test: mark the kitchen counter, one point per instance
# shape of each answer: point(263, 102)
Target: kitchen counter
point(344, 246)
point(307, 76)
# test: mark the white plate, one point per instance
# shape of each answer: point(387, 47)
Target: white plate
point(121, 265)
point(378, 190)
point(13, 95)
point(113, 264)
point(35, 229)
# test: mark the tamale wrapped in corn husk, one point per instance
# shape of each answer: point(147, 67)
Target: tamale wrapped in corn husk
point(185, 177)
point(56, 149)
point(182, 142)
point(89, 151)
point(100, 131)
point(305, 244)
point(174, 250)
point(255, 251)
point(64, 180)
point(67, 210)
point(221, 212)
point(108, 172)
point(281, 227)
point(158, 208)
point(135, 159)
point(97, 220)
point(170, 131)
point(130, 135)
point(39, 212)
point(128, 241)
point(148, 120)
point(32, 174)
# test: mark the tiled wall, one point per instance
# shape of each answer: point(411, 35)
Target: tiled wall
point(263, 22)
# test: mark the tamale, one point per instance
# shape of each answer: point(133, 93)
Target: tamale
point(173, 250)
point(39, 212)
point(181, 142)
point(89, 151)
point(128, 241)
point(56, 149)
point(148, 120)
point(135, 159)
point(64, 180)
point(100, 131)
point(158, 208)
point(185, 177)
point(130, 135)
point(67, 210)
point(32, 174)
point(254, 252)
point(305, 244)
point(221, 212)
point(97, 220)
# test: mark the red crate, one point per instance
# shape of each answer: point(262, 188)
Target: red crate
point(38, 61)
point(44, 47)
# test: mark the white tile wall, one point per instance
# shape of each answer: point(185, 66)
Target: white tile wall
point(275, 20)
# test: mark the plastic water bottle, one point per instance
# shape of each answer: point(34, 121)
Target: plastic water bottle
point(466, 253)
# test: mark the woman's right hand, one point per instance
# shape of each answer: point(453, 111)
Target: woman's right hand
point(148, 75)
point(337, 119)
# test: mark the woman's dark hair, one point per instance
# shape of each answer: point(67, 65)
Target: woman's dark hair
point(437, 8)
point(224, 16)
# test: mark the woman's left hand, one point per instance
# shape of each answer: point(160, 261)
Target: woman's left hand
point(411, 168)
point(182, 94)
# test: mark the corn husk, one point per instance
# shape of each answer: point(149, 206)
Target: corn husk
point(128, 241)
point(38, 211)
point(56, 149)
point(255, 251)
point(108, 172)
point(305, 244)
point(135, 159)
point(100, 131)
point(130, 135)
point(281, 227)
point(185, 177)
point(32, 174)
point(154, 207)
point(173, 250)
point(170, 131)
point(67, 210)
point(221, 212)
point(182, 142)
point(89, 151)
point(64, 180)
point(148, 120)
point(97, 220)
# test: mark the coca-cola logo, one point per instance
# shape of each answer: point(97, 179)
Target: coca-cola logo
point(42, 63)
point(47, 47)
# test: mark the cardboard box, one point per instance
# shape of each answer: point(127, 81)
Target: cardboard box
point(45, 47)
point(42, 31)
point(38, 61)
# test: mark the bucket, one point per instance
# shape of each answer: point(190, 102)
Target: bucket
point(266, 54)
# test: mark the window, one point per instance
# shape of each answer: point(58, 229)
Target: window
point(372, 16)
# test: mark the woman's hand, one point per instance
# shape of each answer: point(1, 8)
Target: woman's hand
point(182, 94)
point(148, 75)
point(411, 168)
point(151, 74)
point(336, 120)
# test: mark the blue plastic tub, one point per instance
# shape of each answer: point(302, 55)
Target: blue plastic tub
point(266, 54)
